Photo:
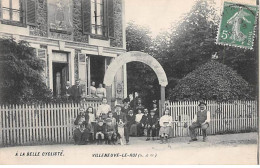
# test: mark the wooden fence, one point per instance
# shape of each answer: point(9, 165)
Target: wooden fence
point(54, 123)
point(231, 117)
point(43, 124)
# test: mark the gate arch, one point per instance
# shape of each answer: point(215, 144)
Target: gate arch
point(131, 57)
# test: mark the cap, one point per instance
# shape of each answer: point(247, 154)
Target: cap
point(202, 103)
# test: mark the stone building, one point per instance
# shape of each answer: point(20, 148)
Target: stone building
point(77, 39)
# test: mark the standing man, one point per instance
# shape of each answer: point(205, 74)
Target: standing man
point(119, 115)
point(201, 120)
point(76, 92)
point(126, 106)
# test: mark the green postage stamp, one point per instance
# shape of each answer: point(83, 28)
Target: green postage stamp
point(237, 26)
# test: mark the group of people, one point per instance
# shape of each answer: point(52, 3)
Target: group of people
point(130, 119)
point(75, 92)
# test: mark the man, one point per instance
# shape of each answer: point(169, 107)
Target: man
point(119, 115)
point(126, 107)
point(139, 106)
point(76, 91)
point(152, 125)
point(201, 120)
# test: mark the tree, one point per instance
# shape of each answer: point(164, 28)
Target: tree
point(141, 77)
point(21, 80)
point(190, 43)
point(211, 81)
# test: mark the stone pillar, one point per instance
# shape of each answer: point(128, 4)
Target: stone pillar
point(109, 94)
point(162, 99)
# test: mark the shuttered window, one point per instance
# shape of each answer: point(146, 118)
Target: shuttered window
point(31, 12)
point(98, 17)
point(86, 16)
point(110, 16)
point(18, 12)
point(12, 10)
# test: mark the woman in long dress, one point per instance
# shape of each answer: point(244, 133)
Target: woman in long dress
point(101, 92)
point(165, 124)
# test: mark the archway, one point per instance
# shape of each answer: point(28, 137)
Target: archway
point(139, 57)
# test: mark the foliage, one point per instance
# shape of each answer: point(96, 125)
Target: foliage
point(191, 43)
point(141, 77)
point(20, 73)
point(212, 81)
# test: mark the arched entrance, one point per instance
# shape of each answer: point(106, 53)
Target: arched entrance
point(131, 57)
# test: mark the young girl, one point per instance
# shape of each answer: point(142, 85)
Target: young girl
point(165, 123)
point(103, 109)
point(92, 120)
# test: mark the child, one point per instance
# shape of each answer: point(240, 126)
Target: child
point(144, 121)
point(138, 118)
point(131, 125)
point(152, 125)
point(92, 120)
point(81, 133)
point(110, 129)
point(165, 123)
point(100, 130)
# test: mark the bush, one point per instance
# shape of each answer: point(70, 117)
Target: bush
point(211, 81)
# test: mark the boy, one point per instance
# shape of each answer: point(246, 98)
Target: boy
point(152, 125)
point(131, 126)
point(144, 121)
point(100, 130)
point(121, 117)
point(110, 130)
point(138, 118)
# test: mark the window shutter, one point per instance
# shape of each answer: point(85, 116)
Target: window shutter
point(110, 14)
point(31, 12)
point(86, 16)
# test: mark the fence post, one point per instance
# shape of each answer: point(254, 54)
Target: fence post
point(1, 128)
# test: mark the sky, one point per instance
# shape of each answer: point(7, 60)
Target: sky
point(156, 14)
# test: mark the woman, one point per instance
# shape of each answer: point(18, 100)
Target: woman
point(103, 109)
point(93, 89)
point(165, 124)
point(101, 92)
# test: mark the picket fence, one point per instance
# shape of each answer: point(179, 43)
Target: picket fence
point(229, 117)
point(54, 123)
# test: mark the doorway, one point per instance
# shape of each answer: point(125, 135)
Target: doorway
point(97, 69)
point(60, 77)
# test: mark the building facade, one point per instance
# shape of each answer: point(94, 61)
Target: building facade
point(77, 39)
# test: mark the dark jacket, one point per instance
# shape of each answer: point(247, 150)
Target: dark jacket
point(145, 120)
point(99, 128)
point(76, 91)
point(121, 116)
point(130, 120)
point(153, 120)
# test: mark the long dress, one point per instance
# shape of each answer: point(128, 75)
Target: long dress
point(165, 123)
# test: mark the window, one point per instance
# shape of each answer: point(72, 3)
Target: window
point(12, 10)
point(97, 17)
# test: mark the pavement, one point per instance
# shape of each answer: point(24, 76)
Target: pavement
point(230, 149)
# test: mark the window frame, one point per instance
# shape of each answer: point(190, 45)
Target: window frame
point(22, 11)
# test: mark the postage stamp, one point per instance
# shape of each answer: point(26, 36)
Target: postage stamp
point(237, 25)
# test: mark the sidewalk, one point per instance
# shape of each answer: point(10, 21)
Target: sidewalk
point(219, 149)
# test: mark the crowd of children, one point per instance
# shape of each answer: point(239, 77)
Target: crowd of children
point(129, 119)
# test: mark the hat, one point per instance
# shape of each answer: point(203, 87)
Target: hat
point(154, 101)
point(118, 105)
point(202, 103)
point(152, 111)
point(126, 100)
point(100, 121)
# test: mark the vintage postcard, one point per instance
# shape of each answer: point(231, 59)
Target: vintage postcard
point(129, 82)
